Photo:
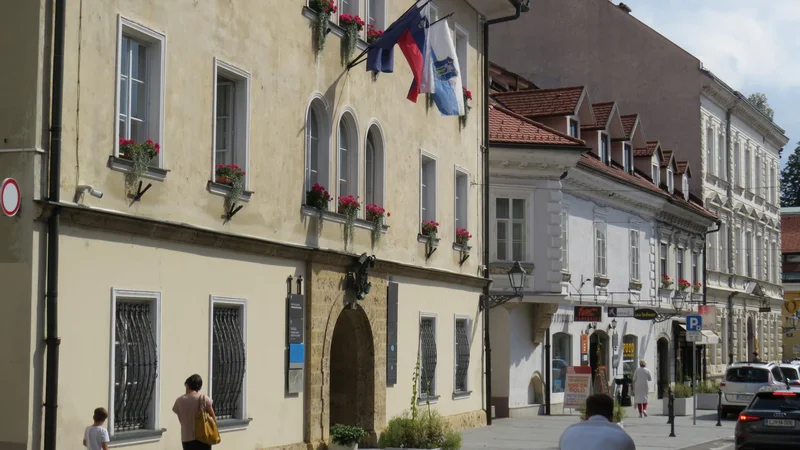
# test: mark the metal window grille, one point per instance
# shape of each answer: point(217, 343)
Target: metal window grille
point(135, 366)
point(228, 364)
point(428, 356)
point(462, 354)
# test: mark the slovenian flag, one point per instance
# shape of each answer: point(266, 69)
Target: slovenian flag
point(441, 75)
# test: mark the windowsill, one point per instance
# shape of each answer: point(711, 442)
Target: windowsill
point(126, 166)
point(433, 399)
point(461, 395)
point(635, 285)
point(461, 248)
point(336, 30)
point(601, 280)
point(341, 219)
point(227, 425)
point(566, 277)
point(135, 437)
point(225, 191)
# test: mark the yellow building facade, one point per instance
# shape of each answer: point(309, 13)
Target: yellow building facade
point(165, 271)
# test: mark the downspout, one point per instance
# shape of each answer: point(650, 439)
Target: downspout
point(730, 326)
point(705, 289)
point(547, 371)
point(730, 194)
point(485, 99)
point(52, 340)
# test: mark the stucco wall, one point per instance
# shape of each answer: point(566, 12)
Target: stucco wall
point(272, 41)
point(594, 43)
point(93, 263)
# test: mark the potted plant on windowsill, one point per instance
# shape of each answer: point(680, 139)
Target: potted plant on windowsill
point(349, 206)
point(462, 237)
point(142, 156)
point(683, 285)
point(319, 198)
point(666, 282)
point(696, 286)
point(352, 26)
point(467, 98)
point(230, 175)
point(377, 215)
point(430, 228)
point(324, 9)
point(373, 34)
point(346, 437)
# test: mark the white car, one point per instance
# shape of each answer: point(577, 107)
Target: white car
point(743, 380)
point(791, 371)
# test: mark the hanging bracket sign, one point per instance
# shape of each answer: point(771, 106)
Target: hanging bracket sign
point(645, 314)
point(10, 197)
point(588, 313)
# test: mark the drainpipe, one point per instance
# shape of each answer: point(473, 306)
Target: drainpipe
point(705, 290)
point(52, 340)
point(487, 344)
point(730, 326)
point(547, 370)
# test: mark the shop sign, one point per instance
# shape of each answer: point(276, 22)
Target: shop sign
point(645, 314)
point(628, 350)
point(588, 314)
point(620, 311)
point(579, 386)
point(584, 349)
point(791, 306)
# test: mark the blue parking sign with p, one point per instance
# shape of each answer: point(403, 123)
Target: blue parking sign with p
point(694, 323)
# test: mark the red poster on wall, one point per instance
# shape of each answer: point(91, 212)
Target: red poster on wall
point(584, 350)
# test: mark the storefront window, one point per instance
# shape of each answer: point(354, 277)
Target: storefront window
point(630, 344)
point(562, 352)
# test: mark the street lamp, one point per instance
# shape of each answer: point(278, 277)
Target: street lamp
point(516, 277)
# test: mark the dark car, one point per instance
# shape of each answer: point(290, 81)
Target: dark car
point(771, 421)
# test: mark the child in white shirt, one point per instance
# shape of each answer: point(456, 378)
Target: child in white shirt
point(96, 436)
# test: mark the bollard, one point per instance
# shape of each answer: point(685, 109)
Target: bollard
point(671, 414)
point(669, 405)
point(719, 408)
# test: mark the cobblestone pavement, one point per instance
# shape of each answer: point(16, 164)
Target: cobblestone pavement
point(649, 433)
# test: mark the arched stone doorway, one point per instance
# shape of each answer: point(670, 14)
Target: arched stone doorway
point(662, 371)
point(598, 352)
point(352, 386)
point(751, 340)
point(536, 390)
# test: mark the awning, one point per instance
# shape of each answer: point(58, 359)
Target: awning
point(709, 337)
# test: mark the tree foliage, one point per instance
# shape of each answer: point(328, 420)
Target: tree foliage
point(790, 180)
point(759, 100)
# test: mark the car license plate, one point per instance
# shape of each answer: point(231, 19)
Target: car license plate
point(786, 423)
point(744, 397)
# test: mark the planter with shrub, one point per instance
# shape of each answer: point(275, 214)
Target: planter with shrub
point(428, 430)
point(684, 402)
point(345, 437)
point(708, 395)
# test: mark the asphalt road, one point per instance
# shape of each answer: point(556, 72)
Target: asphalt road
point(719, 444)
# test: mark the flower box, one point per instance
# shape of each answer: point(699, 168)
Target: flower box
point(222, 179)
point(707, 401)
point(682, 406)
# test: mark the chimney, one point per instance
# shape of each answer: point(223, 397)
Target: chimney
point(624, 7)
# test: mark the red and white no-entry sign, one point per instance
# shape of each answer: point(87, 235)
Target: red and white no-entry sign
point(10, 197)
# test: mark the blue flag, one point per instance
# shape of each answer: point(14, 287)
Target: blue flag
point(380, 57)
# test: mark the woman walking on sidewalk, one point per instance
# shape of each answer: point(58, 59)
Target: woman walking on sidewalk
point(187, 406)
point(641, 387)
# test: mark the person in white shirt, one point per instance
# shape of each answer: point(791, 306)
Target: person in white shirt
point(641, 387)
point(598, 431)
point(96, 436)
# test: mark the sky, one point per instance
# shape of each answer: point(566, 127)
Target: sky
point(752, 45)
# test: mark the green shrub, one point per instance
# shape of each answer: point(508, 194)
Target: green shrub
point(681, 391)
point(347, 435)
point(619, 412)
point(428, 430)
point(708, 387)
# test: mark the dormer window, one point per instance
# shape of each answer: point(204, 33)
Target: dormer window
point(627, 158)
point(656, 175)
point(604, 149)
point(574, 129)
point(670, 182)
point(685, 187)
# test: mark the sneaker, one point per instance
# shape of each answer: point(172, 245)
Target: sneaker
point(640, 415)
point(645, 413)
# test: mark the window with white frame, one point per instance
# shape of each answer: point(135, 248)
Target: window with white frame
point(710, 166)
point(462, 49)
point(231, 116)
point(775, 262)
point(679, 254)
point(600, 248)
point(462, 199)
point(627, 157)
point(767, 252)
point(140, 90)
point(711, 251)
point(317, 150)
point(722, 238)
point(759, 257)
point(347, 156)
point(663, 259)
point(695, 268)
point(635, 239)
point(428, 187)
point(757, 188)
point(351, 7)
point(685, 186)
point(462, 354)
point(374, 168)
point(136, 363)
point(737, 163)
point(748, 253)
point(433, 14)
point(574, 128)
point(670, 181)
point(228, 357)
point(604, 149)
point(564, 241)
point(739, 252)
point(428, 357)
point(655, 174)
point(376, 14)
point(748, 172)
point(510, 229)
point(721, 156)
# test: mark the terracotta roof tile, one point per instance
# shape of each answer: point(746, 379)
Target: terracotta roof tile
point(505, 127)
point(790, 234)
point(682, 165)
point(648, 151)
point(667, 156)
point(602, 111)
point(542, 102)
point(628, 122)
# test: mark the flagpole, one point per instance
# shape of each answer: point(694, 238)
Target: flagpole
point(354, 62)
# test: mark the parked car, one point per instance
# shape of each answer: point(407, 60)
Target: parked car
point(770, 421)
point(743, 380)
point(791, 371)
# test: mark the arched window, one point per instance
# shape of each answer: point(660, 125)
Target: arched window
point(630, 350)
point(347, 160)
point(373, 170)
point(562, 358)
point(317, 157)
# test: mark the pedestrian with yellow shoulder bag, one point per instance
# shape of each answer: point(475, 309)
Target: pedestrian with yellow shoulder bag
point(197, 418)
